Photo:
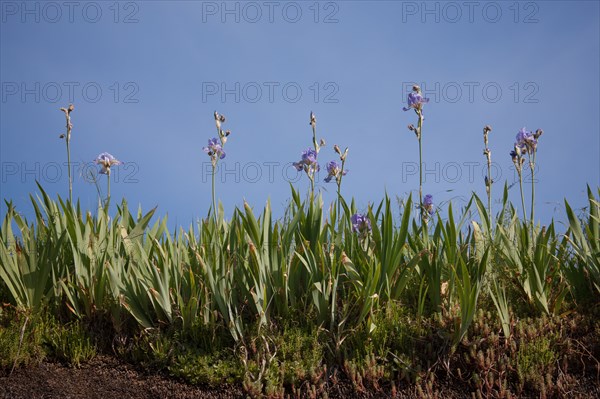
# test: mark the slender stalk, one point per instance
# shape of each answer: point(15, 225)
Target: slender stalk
point(522, 196)
point(488, 182)
point(489, 191)
point(69, 166)
point(488, 186)
point(339, 209)
point(316, 146)
point(339, 191)
point(532, 167)
point(108, 187)
point(214, 202)
point(419, 128)
point(215, 160)
point(67, 137)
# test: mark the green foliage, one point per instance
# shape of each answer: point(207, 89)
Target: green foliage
point(27, 338)
point(585, 240)
point(253, 267)
point(533, 258)
point(69, 343)
point(21, 339)
point(205, 304)
point(213, 369)
point(399, 339)
point(29, 266)
point(300, 354)
point(534, 361)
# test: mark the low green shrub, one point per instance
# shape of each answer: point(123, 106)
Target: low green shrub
point(21, 338)
point(69, 343)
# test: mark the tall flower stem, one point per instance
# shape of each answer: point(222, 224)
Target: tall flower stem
point(214, 172)
point(339, 204)
point(314, 131)
point(69, 169)
point(67, 137)
point(522, 196)
point(215, 151)
point(527, 144)
point(419, 135)
point(107, 161)
point(489, 191)
point(214, 202)
point(488, 180)
point(313, 124)
point(532, 167)
point(416, 102)
point(339, 191)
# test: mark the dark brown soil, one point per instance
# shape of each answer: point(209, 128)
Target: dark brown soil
point(102, 378)
point(109, 378)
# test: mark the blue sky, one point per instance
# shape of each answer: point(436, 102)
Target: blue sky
point(145, 78)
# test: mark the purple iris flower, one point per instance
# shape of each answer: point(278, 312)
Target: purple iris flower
point(415, 101)
point(334, 170)
point(428, 203)
point(106, 161)
point(361, 224)
point(309, 156)
point(308, 161)
point(526, 141)
point(214, 149)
